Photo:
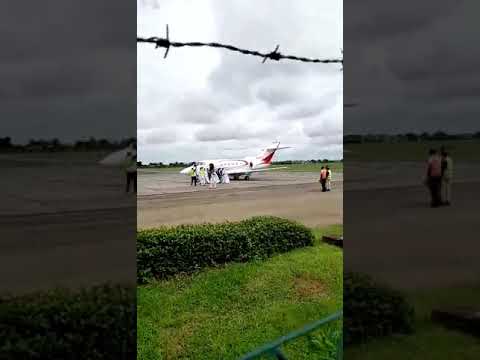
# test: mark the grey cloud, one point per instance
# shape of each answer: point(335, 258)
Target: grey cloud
point(323, 130)
point(65, 76)
point(203, 108)
point(420, 76)
point(241, 103)
point(159, 136)
point(366, 18)
point(229, 132)
point(328, 140)
point(277, 96)
point(306, 109)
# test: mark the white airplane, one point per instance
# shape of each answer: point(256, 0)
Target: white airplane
point(245, 167)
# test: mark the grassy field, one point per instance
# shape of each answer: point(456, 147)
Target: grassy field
point(460, 151)
point(430, 341)
point(336, 166)
point(225, 313)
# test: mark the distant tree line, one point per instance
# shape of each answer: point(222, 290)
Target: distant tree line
point(408, 137)
point(162, 165)
point(54, 145)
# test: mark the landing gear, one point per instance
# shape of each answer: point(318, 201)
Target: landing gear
point(247, 177)
point(236, 177)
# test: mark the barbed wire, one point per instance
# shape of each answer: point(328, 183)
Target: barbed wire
point(274, 55)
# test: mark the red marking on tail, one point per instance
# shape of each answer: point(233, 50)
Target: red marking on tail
point(268, 159)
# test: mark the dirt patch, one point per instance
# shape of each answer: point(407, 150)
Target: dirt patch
point(307, 287)
point(176, 339)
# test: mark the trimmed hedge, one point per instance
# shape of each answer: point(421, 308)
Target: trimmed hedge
point(97, 323)
point(372, 310)
point(167, 251)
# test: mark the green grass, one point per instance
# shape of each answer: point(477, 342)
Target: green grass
point(336, 166)
point(430, 341)
point(227, 312)
point(460, 151)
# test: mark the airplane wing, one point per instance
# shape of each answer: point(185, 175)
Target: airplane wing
point(116, 158)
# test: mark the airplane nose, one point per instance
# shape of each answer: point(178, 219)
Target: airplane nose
point(184, 171)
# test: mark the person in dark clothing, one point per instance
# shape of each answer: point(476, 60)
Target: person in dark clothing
point(434, 178)
point(447, 174)
point(131, 168)
point(132, 178)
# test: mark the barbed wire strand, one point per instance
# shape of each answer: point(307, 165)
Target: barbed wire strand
point(274, 55)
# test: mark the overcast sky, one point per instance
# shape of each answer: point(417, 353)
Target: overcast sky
point(209, 103)
point(67, 69)
point(412, 66)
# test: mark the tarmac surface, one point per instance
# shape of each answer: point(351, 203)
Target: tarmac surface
point(166, 198)
point(393, 234)
point(165, 181)
point(65, 221)
point(296, 196)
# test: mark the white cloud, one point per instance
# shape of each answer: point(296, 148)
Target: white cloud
point(204, 102)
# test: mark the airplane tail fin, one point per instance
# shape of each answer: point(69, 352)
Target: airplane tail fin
point(266, 155)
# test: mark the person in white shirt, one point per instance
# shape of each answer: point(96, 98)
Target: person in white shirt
point(329, 179)
point(212, 177)
point(226, 178)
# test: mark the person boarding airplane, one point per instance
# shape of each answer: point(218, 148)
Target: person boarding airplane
point(244, 167)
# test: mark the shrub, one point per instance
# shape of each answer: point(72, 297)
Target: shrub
point(372, 310)
point(167, 251)
point(97, 323)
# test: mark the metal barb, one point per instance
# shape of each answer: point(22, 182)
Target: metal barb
point(168, 43)
point(274, 55)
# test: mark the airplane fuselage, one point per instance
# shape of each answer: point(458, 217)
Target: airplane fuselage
point(240, 167)
point(234, 167)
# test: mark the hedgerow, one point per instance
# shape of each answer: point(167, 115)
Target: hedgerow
point(373, 310)
point(167, 251)
point(97, 323)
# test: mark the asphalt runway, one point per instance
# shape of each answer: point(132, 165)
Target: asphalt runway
point(64, 222)
point(393, 234)
point(166, 198)
point(164, 181)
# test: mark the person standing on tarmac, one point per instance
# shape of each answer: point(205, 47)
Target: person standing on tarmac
point(329, 179)
point(193, 176)
point(323, 178)
point(226, 178)
point(131, 167)
point(202, 176)
point(434, 178)
point(447, 175)
point(212, 176)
